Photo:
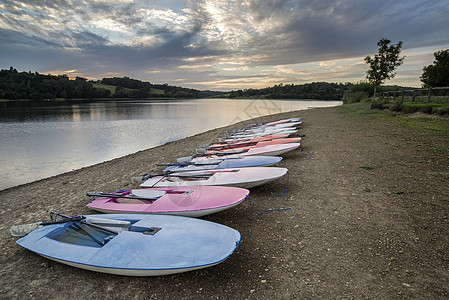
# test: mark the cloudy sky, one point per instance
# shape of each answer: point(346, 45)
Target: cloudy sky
point(219, 44)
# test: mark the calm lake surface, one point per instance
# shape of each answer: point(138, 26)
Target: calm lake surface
point(42, 139)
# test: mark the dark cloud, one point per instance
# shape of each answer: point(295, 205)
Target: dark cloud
point(326, 30)
point(100, 37)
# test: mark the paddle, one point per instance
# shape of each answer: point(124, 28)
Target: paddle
point(182, 164)
point(224, 153)
point(145, 177)
point(232, 145)
point(189, 158)
point(202, 152)
point(24, 229)
point(108, 195)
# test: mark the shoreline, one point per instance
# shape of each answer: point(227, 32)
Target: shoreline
point(368, 219)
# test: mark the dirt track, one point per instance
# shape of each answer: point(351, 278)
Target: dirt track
point(368, 219)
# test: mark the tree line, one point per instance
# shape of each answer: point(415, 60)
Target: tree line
point(28, 85)
point(315, 90)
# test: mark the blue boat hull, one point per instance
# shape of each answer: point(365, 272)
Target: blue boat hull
point(153, 245)
point(229, 163)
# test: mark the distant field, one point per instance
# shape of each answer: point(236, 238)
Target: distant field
point(112, 88)
point(157, 91)
point(105, 86)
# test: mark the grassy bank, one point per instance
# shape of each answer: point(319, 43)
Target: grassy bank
point(429, 134)
point(427, 124)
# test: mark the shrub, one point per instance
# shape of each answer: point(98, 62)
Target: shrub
point(358, 92)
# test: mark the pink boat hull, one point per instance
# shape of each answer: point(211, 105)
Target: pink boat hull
point(258, 138)
point(261, 150)
point(191, 201)
point(278, 122)
point(255, 144)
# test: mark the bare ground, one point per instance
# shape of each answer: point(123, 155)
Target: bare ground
point(368, 219)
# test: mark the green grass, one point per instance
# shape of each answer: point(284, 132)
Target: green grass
point(105, 86)
point(157, 91)
point(424, 104)
point(425, 124)
point(429, 133)
point(112, 88)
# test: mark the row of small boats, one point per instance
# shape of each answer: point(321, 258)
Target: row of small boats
point(153, 230)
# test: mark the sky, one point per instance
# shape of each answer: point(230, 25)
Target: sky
point(220, 44)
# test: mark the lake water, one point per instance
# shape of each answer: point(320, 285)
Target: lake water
point(42, 139)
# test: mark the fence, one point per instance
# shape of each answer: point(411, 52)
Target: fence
point(415, 93)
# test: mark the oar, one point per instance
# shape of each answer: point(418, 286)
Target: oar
point(145, 177)
point(189, 158)
point(121, 196)
point(232, 145)
point(24, 229)
point(182, 164)
point(89, 224)
point(207, 174)
point(202, 152)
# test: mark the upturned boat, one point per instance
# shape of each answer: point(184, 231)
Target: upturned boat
point(190, 201)
point(131, 244)
point(219, 163)
point(240, 177)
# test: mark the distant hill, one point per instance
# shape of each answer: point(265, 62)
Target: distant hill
point(28, 85)
point(126, 87)
point(315, 90)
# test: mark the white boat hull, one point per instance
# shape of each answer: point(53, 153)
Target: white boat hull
point(192, 213)
point(242, 178)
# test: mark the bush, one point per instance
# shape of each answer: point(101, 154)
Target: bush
point(358, 92)
point(354, 97)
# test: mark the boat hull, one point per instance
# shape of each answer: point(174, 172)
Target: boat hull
point(240, 177)
point(179, 245)
point(291, 120)
point(227, 163)
point(270, 150)
point(130, 272)
point(196, 201)
point(219, 146)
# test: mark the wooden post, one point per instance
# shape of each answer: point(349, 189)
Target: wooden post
point(414, 94)
point(428, 95)
point(402, 98)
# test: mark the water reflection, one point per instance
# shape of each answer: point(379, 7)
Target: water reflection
point(48, 138)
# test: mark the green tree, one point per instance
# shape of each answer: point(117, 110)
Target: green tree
point(383, 65)
point(437, 75)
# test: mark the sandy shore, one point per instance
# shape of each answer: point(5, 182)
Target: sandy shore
point(368, 219)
